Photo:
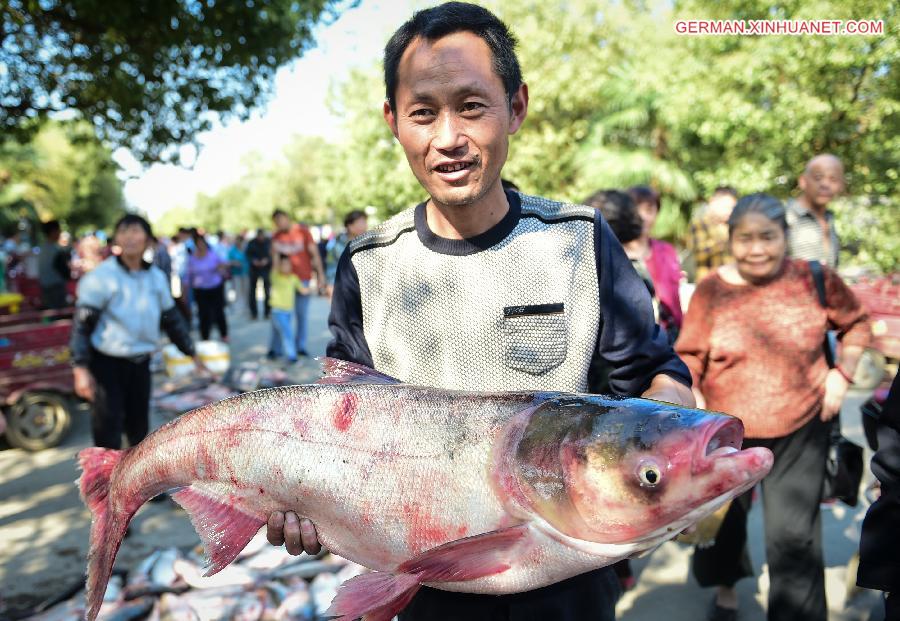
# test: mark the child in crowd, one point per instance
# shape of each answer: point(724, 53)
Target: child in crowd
point(285, 286)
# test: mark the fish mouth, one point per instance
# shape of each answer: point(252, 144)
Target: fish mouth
point(724, 437)
point(721, 444)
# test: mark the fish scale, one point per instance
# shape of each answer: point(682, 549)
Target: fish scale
point(476, 492)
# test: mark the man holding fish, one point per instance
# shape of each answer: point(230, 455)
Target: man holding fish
point(480, 289)
point(469, 471)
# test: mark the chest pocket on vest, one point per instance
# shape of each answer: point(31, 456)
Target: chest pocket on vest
point(534, 337)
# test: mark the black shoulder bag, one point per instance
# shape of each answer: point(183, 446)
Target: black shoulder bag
point(844, 462)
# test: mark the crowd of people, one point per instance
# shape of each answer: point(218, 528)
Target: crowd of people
point(439, 286)
point(206, 272)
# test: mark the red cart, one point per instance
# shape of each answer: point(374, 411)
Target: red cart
point(881, 297)
point(36, 383)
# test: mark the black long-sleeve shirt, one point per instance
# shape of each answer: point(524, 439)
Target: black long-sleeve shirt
point(879, 544)
point(526, 305)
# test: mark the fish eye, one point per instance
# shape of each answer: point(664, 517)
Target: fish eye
point(649, 474)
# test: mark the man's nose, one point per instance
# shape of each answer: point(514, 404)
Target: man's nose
point(448, 135)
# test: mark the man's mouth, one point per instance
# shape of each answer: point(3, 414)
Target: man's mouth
point(452, 167)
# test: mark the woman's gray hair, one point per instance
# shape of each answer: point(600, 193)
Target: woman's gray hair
point(761, 203)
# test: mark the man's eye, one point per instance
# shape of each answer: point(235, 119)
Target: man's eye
point(471, 106)
point(420, 112)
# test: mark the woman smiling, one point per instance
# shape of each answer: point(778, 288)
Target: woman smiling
point(752, 338)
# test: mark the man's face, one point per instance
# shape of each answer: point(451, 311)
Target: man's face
point(282, 223)
point(822, 180)
point(648, 212)
point(721, 205)
point(452, 116)
point(358, 227)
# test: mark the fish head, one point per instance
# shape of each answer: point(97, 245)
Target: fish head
point(624, 471)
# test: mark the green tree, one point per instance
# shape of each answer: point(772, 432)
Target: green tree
point(149, 74)
point(373, 170)
point(65, 172)
point(306, 182)
point(618, 98)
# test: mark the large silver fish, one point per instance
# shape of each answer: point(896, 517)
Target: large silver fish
point(463, 491)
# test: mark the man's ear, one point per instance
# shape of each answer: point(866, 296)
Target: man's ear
point(518, 108)
point(801, 182)
point(390, 118)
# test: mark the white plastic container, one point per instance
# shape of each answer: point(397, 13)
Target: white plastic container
point(177, 364)
point(214, 354)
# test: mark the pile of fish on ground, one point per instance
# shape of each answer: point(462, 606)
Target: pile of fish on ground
point(179, 395)
point(264, 583)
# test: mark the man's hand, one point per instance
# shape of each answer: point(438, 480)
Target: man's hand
point(297, 535)
point(84, 383)
point(664, 388)
point(835, 389)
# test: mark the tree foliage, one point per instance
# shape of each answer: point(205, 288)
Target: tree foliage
point(65, 173)
point(149, 74)
point(618, 98)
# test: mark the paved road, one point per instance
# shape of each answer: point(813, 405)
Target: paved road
point(44, 527)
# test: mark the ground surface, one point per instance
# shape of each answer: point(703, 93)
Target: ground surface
point(44, 526)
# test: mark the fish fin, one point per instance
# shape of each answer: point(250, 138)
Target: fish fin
point(343, 372)
point(467, 559)
point(375, 596)
point(107, 527)
point(223, 528)
point(378, 596)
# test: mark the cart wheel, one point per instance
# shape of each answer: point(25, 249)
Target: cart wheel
point(870, 370)
point(38, 420)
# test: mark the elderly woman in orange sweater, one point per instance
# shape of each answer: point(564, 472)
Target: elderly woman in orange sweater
point(752, 338)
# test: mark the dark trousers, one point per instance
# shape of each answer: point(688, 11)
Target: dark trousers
point(211, 309)
point(255, 276)
point(54, 296)
point(892, 607)
point(791, 495)
point(591, 596)
point(121, 400)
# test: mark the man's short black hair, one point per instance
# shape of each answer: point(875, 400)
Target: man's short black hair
point(51, 227)
point(641, 194)
point(449, 18)
point(620, 212)
point(726, 189)
point(279, 212)
point(353, 216)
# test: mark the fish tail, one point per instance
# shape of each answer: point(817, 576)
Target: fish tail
point(107, 526)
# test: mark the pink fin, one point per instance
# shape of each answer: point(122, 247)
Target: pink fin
point(466, 559)
point(378, 596)
point(343, 372)
point(373, 596)
point(96, 465)
point(223, 528)
point(107, 527)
